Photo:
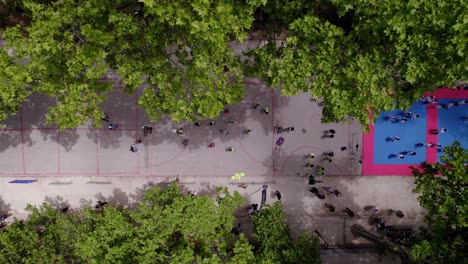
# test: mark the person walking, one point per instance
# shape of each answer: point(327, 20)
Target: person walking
point(310, 156)
point(320, 170)
point(321, 196)
point(314, 190)
point(278, 195)
point(329, 190)
point(309, 165)
point(330, 207)
point(393, 139)
point(312, 180)
point(211, 123)
point(280, 141)
point(106, 118)
point(133, 148)
point(266, 110)
point(349, 212)
point(224, 131)
point(185, 143)
point(337, 193)
point(437, 131)
point(112, 126)
point(145, 130)
point(230, 149)
point(247, 131)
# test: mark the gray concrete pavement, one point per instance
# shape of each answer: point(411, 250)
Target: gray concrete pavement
point(30, 147)
point(305, 211)
point(79, 166)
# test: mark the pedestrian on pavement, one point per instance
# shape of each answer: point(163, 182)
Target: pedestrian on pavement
point(312, 180)
point(112, 126)
point(211, 123)
point(288, 129)
point(330, 154)
point(449, 105)
point(197, 124)
point(247, 131)
point(393, 139)
point(371, 208)
point(403, 120)
point(309, 165)
point(328, 189)
point(106, 118)
point(133, 148)
point(337, 193)
point(419, 145)
point(393, 119)
point(280, 141)
point(185, 143)
point(310, 156)
point(349, 212)
point(327, 159)
point(277, 129)
point(437, 131)
point(278, 195)
point(100, 204)
point(411, 153)
point(224, 131)
point(256, 106)
point(266, 110)
point(416, 116)
point(400, 156)
point(230, 149)
point(314, 190)
point(211, 145)
point(320, 170)
point(145, 130)
point(330, 136)
point(138, 141)
point(462, 102)
point(330, 207)
point(179, 131)
point(321, 196)
point(331, 131)
point(226, 110)
point(399, 214)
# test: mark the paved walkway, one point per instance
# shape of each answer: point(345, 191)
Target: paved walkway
point(305, 211)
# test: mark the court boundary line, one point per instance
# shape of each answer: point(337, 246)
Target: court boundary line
point(371, 169)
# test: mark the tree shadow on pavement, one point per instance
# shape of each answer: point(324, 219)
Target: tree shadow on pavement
point(4, 207)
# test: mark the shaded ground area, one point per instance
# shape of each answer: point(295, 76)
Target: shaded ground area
point(30, 147)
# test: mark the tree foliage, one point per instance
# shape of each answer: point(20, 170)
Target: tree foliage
point(164, 227)
point(369, 57)
point(179, 48)
point(274, 242)
point(443, 192)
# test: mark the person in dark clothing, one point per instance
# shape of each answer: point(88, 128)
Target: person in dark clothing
point(314, 190)
point(349, 212)
point(330, 207)
point(278, 195)
point(321, 196)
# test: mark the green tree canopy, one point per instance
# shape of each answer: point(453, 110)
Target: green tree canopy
point(179, 48)
point(274, 242)
point(443, 192)
point(164, 227)
point(365, 57)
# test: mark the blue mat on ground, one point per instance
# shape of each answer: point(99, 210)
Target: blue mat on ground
point(410, 133)
point(452, 119)
point(23, 181)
